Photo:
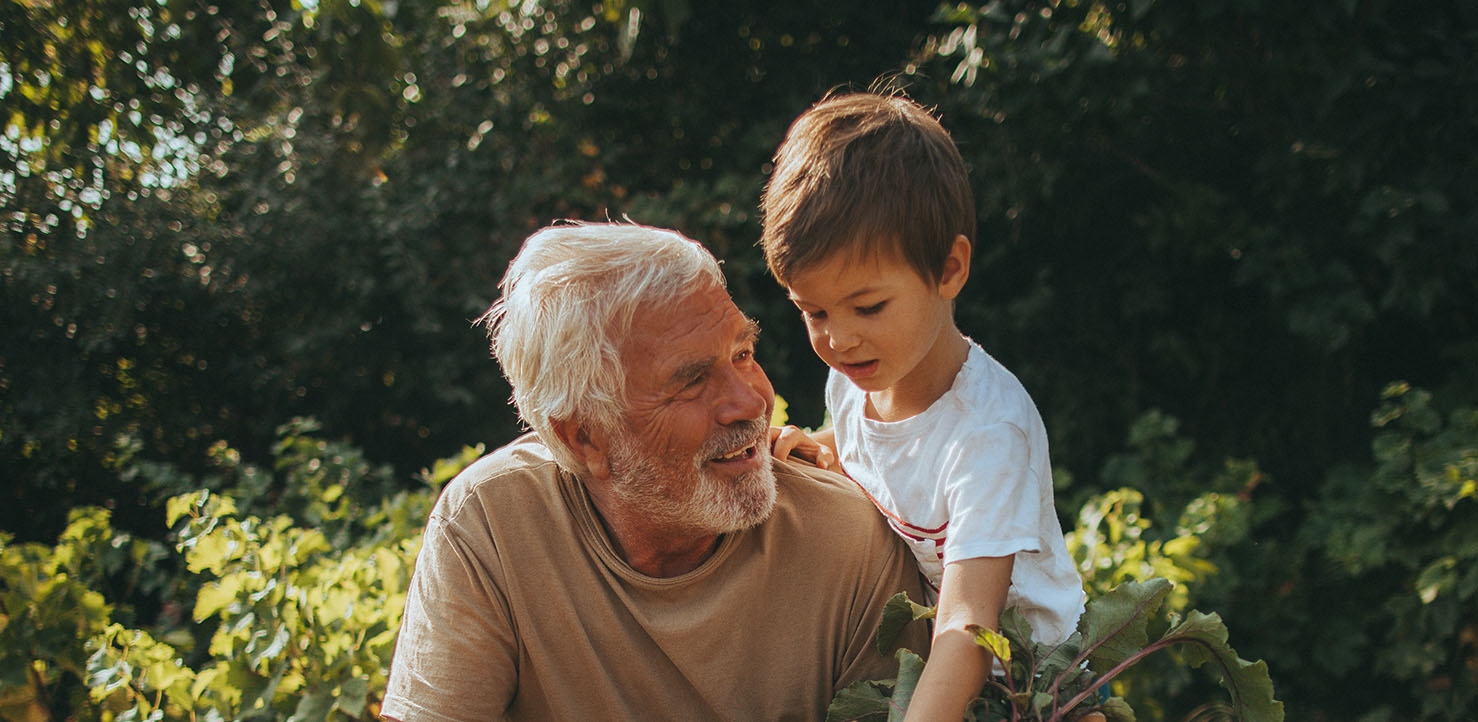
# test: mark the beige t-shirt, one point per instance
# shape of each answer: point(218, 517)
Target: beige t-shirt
point(520, 607)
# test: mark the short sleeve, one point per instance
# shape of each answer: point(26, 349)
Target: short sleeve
point(895, 572)
point(456, 656)
point(993, 494)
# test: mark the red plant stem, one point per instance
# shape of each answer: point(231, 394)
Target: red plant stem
point(1132, 660)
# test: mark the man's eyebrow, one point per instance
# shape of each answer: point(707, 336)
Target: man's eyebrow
point(751, 332)
point(749, 335)
point(689, 371)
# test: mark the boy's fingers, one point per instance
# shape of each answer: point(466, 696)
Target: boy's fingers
point(783, 440)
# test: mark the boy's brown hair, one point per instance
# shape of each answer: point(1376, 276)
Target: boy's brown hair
point(867, 174)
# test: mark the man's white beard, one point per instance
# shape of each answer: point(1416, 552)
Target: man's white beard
point(684, 496)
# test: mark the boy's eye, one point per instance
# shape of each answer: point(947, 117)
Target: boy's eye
point(870, 310)
point(813, 315)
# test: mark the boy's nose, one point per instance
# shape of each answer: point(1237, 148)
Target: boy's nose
point(841, 338)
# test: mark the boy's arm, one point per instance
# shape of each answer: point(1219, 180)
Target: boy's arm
point(973, 591)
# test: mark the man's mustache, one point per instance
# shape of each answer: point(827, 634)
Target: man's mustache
point(727, 439)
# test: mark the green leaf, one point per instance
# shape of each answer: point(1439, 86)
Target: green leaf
point(1117, 710)
point(1437, 577)
point(899, 612)
point(1204, 639)
point(992, 640)
point(862, 701)
point(259, 654)
point(353, 696)
point(215, 595)
point(1016, 628)
point(910, 667)
point(1114, 625)
point(178, 506)
point(312, 707)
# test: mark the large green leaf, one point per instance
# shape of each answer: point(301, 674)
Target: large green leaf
point(910, 667)
point(862, 701)
point(1114, 625)
point(1203, 638)
point(899, 612)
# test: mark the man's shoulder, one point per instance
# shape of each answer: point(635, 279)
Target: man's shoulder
point(809, 480)
point(520, 468)
point(818, 494)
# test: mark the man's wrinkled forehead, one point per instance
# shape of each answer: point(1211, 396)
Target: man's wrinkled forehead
point(694, 332)
point(684, 370)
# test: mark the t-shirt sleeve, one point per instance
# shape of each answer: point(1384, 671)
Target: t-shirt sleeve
point(894, 571)
point(456, 656)
point(993, 495)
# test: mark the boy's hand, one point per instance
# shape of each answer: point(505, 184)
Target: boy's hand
point(791, 442)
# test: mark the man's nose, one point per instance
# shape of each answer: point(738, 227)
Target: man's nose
point(744, 399)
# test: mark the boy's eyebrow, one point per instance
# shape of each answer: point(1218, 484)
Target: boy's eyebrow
point(865, 290)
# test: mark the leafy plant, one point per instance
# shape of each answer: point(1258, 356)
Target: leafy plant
point(1062, 682)
point(288, 616)
point(1399, 541)
point(52, 601)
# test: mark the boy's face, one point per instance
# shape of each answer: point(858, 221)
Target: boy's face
point(879, 322)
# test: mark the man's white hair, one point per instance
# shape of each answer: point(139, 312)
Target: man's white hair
point(568, 302)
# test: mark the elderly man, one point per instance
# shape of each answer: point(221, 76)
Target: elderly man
point(639, 555)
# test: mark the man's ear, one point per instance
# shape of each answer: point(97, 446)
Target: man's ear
point(590, 446)
point(956, 268)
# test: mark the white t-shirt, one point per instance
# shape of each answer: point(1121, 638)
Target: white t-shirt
point(968, 477)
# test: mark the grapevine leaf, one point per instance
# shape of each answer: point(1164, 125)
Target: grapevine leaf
point(211, 552)
point(1204, 639)
point(910, 666)
point(1113, 626)
point(898, 613)
point(214, 596)
point(860, 701)
point(179, 506)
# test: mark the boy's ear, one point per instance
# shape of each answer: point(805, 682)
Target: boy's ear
point(956, 268)
point(589, 445)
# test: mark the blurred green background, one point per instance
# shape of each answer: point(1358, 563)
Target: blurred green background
point(1231, 248)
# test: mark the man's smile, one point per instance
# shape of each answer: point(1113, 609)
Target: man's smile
point(746, 452)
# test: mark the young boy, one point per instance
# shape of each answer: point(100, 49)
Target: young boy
point(868, 221)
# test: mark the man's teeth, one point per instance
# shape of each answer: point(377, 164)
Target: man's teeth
point(734, 454)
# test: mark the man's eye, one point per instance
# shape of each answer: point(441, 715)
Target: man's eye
point(870, 310)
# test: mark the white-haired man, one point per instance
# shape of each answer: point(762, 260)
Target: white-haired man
point(639, 555)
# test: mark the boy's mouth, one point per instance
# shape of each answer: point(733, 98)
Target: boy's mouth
point(861, 370)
